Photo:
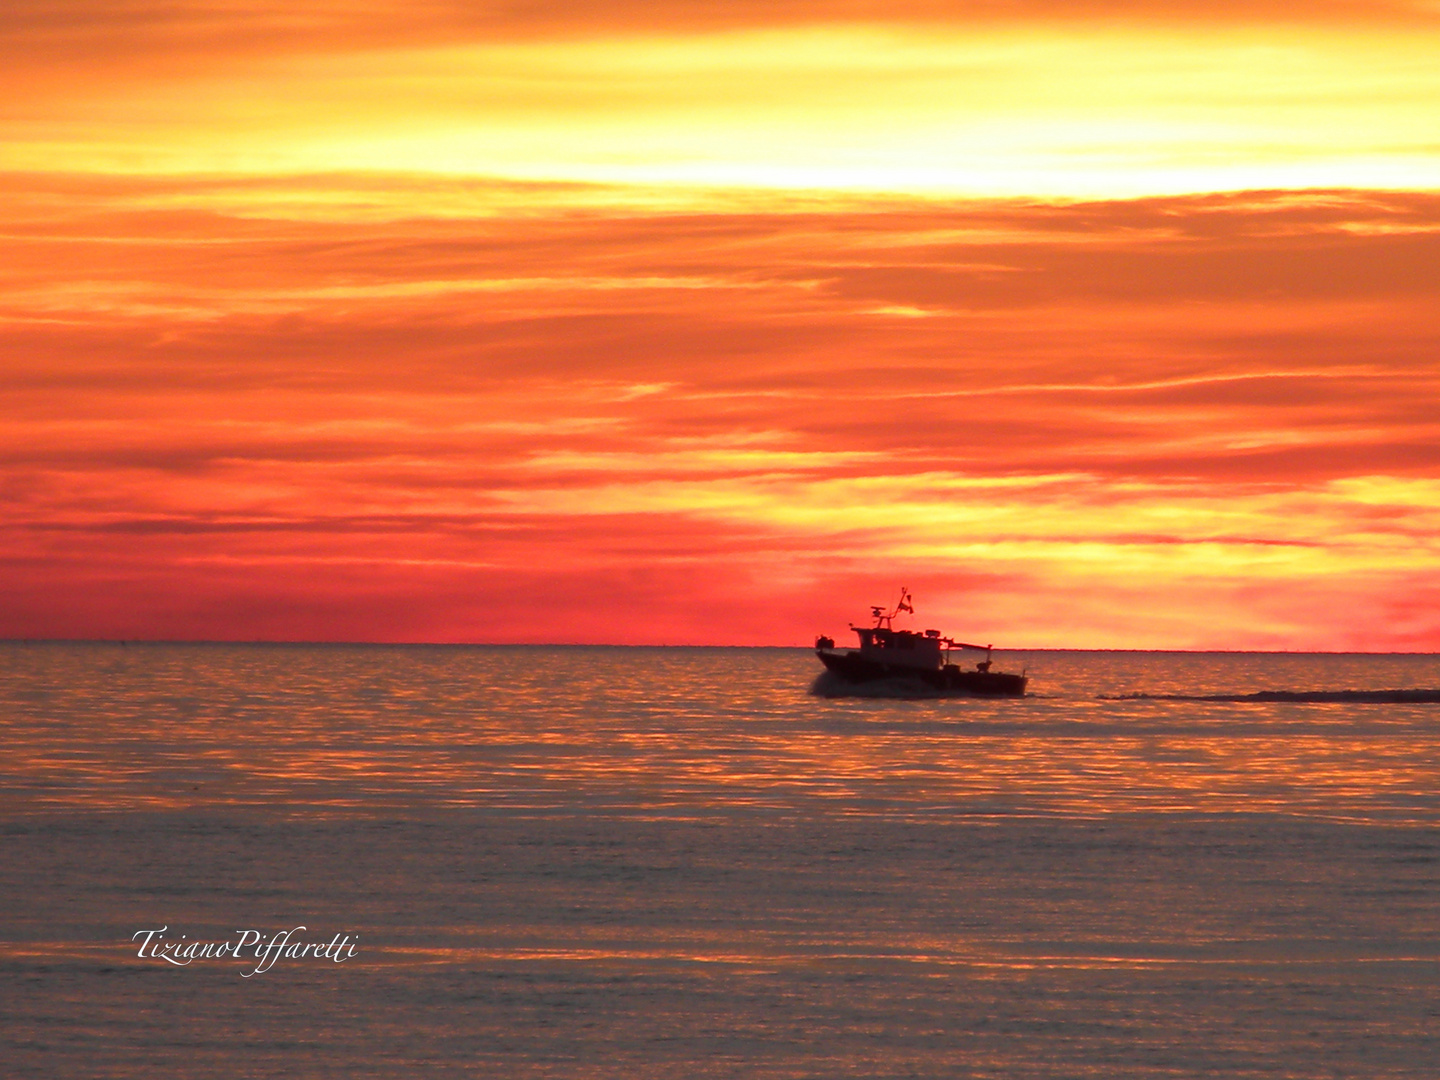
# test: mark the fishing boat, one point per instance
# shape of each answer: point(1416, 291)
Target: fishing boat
point(913, 656)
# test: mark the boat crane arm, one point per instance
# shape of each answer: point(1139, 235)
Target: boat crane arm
point(966, 645)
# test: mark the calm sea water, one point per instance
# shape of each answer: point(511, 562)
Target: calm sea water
point(593, 862)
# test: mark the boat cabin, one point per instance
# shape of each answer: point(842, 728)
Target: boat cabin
point(905, 648)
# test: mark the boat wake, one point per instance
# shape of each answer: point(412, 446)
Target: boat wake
point(1368, 697)
point(829, 685)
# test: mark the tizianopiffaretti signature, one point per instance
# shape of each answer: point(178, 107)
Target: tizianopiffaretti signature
point(248, 944)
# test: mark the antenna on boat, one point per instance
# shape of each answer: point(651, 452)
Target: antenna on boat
point(883, 618)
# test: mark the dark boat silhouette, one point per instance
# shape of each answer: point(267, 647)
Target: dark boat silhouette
point(908, 655)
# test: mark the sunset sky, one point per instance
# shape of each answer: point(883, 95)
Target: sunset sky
point(1096, 324)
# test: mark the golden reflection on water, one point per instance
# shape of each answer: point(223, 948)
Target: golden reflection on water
point(632, 862)
point(690, 732)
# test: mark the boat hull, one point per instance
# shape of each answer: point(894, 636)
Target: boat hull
point(851, 667)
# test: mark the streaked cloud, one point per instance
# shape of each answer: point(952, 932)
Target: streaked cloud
point(1095, 323)
point(994, 101)
point(239, 424)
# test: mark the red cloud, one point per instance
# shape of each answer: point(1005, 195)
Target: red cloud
point(227, 427)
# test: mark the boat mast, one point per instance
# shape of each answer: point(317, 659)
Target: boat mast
point(884, 619)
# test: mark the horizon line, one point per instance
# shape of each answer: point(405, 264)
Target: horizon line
point(660, 645)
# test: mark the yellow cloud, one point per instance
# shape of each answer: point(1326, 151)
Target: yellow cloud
point(1079, 111)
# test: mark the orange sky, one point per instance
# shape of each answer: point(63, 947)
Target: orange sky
point(1094, 324)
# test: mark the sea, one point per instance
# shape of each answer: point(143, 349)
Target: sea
point(236, 860)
